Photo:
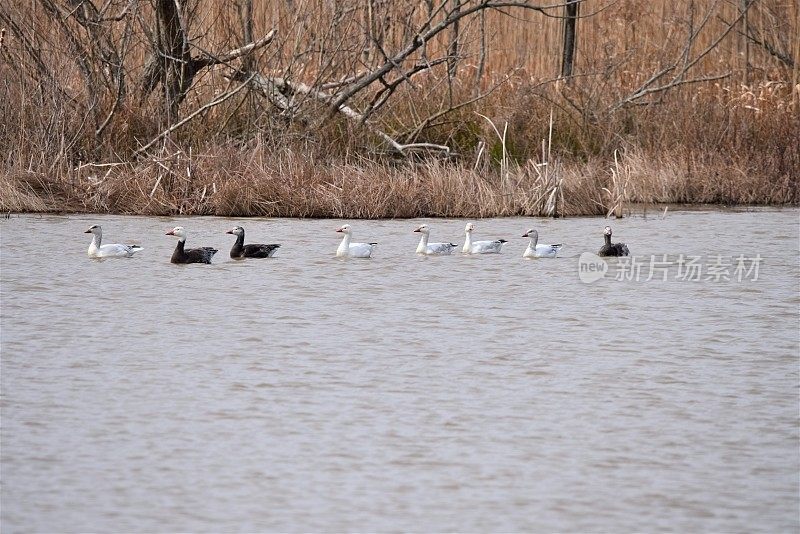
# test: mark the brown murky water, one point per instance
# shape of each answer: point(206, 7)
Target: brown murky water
point(398, 393)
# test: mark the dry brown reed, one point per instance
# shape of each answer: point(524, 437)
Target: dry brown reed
point(259, 182)
point(543, 148)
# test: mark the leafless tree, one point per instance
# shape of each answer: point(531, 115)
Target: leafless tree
point(350, 60)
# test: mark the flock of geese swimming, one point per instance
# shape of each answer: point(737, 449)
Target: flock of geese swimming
point(346, 248)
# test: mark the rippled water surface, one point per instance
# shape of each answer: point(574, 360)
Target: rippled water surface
point(399, 393)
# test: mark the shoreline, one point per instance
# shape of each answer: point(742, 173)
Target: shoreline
point(292, 184)
point(646, 211)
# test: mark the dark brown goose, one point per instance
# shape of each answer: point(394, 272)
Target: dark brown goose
point(192, 255)
point(612, 249)
point(241, 251)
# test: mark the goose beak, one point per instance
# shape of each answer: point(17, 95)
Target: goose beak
point(525, 234)
point(417, 230)
point(87, 232)
point(339, 230)
point(229, 232)
point(171, 232)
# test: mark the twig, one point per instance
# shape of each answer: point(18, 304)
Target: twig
point(84, 165)
point(677, 80)
point(209, 105)
point(771, 50)
point(428, 121)
point(153, 191)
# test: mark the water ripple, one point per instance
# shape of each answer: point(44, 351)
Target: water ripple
point(401, 393)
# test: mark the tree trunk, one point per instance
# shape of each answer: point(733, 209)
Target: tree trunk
point(172, 64)
point(246, 14)
point(744, 42)
point(452, 51)
point(570, 37)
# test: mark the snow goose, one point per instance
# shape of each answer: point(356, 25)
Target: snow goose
point(192, 255)
point(432, 249)
point(612, 249)
point(480, 247)
point(112, 250)
point(353, 250)
point(535, 250)
point(241, 251)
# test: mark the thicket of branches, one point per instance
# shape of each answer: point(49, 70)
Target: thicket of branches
point(121, 84)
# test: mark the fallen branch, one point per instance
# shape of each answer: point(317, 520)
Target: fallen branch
point(271, 92)
point(280, 92)
point(208, 60)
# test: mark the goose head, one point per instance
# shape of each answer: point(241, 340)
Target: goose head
point(469, 228)
point(94, 229)
point(178, 232)
point(607, 230)
point(531, 233)
point(236, 230)
point(345, 229)
point(424, 229)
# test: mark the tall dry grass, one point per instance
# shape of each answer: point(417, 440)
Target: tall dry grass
point(728, 140)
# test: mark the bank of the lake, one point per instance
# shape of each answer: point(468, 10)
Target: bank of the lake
point(255, 182)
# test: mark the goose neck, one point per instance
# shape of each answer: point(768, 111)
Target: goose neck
point(179, 252)
point(467, 242)
point(344, 246)
point(239, 244)
point(94, 246)
point(423, 243)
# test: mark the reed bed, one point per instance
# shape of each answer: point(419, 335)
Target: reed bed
point(260, 182)
point(529, 144)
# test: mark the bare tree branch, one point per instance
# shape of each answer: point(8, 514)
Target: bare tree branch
point(784, 57)
point(287, 89)
point(679, 78)
point(217, 101)
point(426, 32)
point(208, 60)
point(429, 121)
point(171, 63)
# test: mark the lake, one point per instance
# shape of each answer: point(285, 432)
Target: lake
point(402, 393)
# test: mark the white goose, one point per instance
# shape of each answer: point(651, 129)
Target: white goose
point(480, 247)
point(352, 250)
point(432, 249)
point(535, 250)
point(112, 250)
